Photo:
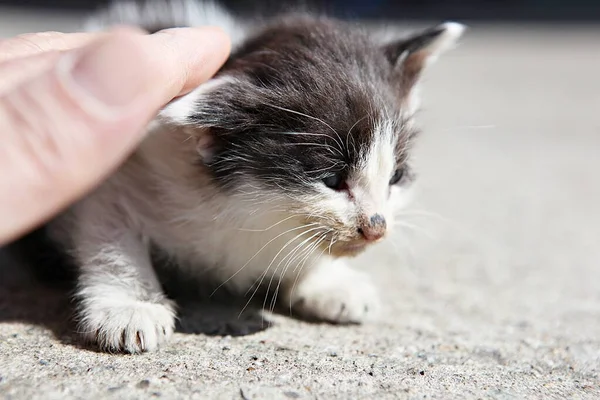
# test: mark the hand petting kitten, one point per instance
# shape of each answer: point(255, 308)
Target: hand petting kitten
point(73, 106)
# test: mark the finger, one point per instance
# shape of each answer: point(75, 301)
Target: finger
point(34, 43)
point(17, 71)
point(187, 59)
point(65, 130)
point(41, 52)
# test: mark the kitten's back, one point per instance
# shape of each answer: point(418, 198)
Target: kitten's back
point(156, 15)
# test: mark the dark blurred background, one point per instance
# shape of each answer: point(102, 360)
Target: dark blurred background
point(478, 10)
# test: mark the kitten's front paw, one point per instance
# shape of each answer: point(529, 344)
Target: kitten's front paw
point(130, 326)
point(336, 293)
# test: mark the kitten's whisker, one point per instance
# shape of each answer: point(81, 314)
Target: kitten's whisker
point(283, 259)
point(319, 241)
point(306, 243)
point(313, 248)
point(469, 127)
point(258, 283)
point(454, 225)
point(270, 227)
point(314, 134)
point(414, 228)
point(411, 255)
point(328, 168)
point(271, 263)
point(424, 213)
point(308, 250)
point(357, 122)
point(349, 135)
point(353, 142)
point(281, 276)
point(259, 250)
point(326, 146)
point(420, 212)
point(298, 276)
point(331, 244)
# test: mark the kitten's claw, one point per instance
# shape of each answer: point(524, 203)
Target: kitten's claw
point(130, 327)
point(337, 294)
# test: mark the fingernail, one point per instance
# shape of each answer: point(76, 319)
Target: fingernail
point(107, 73)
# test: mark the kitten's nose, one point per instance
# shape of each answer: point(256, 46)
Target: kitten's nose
point(373, 228)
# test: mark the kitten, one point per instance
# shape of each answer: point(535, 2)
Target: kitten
point(293, 157)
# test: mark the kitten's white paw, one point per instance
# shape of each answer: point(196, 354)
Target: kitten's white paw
point(336, 293)
point(129, 326)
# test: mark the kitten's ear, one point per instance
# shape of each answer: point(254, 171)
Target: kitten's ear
point(206, 145)
point(411, 55)
point(186, 113)
point(184, 110)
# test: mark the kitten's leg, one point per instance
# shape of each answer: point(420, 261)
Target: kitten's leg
point(121, 304)
point(331, 291)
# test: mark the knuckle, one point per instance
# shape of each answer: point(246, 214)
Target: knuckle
point(37, 38)
point(37, 150)
point(38, 140)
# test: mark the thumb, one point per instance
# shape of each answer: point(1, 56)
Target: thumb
point(65, 129)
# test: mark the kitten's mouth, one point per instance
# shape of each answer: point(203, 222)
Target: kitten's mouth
point(348, 249)
point(355, 246)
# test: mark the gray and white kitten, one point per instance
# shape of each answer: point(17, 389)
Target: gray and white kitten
point(294, 156)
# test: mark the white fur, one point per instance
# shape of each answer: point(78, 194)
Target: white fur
point(371, 187)
point(179, 110)
point(452, 32)
point(124, 324)
point(334, 292)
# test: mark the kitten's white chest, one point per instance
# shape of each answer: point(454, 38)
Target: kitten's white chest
point(244, 251)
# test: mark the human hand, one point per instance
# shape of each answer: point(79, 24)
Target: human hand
point(73, 106)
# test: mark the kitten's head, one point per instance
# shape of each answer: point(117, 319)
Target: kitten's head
point(315, 118)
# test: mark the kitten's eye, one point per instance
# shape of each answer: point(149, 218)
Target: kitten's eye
point(398, 174)
point(334, 181)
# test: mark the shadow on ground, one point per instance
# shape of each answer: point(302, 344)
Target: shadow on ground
point(28, 297)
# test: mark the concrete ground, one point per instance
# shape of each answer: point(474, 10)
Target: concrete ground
point(493, 293)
